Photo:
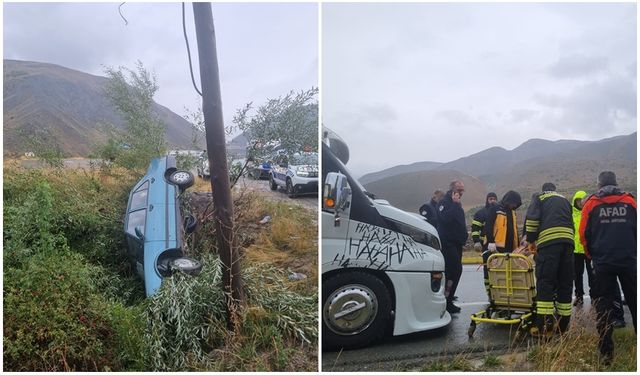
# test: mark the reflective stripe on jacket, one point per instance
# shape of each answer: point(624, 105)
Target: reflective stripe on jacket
point(549, 219)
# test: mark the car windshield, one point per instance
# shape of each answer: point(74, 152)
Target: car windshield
point(305, 159)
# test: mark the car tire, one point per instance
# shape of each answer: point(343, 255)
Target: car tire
point(272, 183)
point(190, 224)
point(187, 265)
point(183, 179)
point(290, 192)
point(368, 323)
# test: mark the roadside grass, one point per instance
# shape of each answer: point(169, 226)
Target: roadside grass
point(576, 351)
point(63, 237)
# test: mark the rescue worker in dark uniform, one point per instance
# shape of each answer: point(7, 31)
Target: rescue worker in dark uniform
point(430, 209)
point(549, 223)
point(581, 262)
point(452, 229)
point(608, 234)
point(477, 225)
point(478, 233)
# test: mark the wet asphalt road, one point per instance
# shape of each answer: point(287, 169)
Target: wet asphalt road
point(399, 353)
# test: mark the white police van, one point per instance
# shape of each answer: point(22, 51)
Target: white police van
point(382, 268)
point(297, 173)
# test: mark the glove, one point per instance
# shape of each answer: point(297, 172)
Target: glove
point(492, 247)
point(477, 246)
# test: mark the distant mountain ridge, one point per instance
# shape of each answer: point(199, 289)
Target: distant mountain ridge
point(71, 105)
point(570, 164)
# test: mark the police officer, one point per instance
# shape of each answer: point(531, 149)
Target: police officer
point(608, 234)
point(549, 223)
point(452, 229)
point(479, 236)
point(429, 210)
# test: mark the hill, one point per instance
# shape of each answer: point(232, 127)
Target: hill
point(572, 165)
point(399, 169)
point(70, 105)
point(417, 188)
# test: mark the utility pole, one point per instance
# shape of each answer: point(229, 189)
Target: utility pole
point(216, 150)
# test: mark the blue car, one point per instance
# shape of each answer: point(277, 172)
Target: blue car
point(153, 224)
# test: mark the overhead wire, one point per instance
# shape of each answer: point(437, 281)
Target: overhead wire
point(186, 40)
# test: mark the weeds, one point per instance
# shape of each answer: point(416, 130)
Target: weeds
point(72, 301)
point(577, 350)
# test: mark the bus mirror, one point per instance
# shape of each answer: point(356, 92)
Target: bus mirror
point(336, 195)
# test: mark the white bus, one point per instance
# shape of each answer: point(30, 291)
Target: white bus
point(382, 268)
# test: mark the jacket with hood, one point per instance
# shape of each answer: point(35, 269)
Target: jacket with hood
point(502, 225)
point(577, 214)
point(479, 219)
point(451, 222)
point(608, 228)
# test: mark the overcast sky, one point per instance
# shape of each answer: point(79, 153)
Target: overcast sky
point(264, 50)
point(412, 82)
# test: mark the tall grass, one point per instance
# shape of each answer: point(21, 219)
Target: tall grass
point(73, 302)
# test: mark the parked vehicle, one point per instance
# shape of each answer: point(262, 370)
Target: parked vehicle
point(203, 166)
point(260, 170)
point(153, 224)
point(297, 174)
point(382, 268)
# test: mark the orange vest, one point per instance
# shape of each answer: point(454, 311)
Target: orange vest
point(500, 230)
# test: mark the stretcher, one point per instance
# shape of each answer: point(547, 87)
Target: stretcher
point(512, 292)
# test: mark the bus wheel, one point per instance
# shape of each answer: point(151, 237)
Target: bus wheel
point(356, 310)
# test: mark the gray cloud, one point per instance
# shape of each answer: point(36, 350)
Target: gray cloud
point(465, 77)
point(577, 65)
point(264, 50)
point(593, 109)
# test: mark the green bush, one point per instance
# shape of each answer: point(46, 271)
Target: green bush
point(55, 319)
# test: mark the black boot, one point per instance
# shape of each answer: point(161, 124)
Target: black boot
point(452, 309)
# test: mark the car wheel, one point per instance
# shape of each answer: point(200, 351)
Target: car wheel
point(184, 179)
point(356, 308)
point(186, 265)
point(190, 224)
point(290, 190)
point(272, 183)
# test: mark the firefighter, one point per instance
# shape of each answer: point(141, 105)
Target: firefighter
point(608, 234)
point(549, 223)
point(478, 233)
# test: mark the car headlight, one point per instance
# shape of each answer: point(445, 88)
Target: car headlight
point(302, 173)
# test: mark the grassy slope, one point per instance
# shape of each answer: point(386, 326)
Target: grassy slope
point(80, 234)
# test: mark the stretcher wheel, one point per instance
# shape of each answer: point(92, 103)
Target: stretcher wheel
point(472, 329)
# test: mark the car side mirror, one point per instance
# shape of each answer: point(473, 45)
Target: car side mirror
point(139, 233)
point(337, 193)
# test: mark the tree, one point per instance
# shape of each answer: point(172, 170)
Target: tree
point(288, 123)
point(44, 143)
point(143, 138)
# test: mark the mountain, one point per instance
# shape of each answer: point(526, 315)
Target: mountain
point(571, 165)
point(399, 169)
point(418, 187)
point(70, 105)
